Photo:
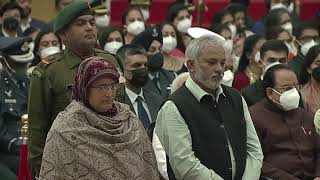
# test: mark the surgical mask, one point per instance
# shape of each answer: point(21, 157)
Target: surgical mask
point(228, 45)
point(267, 67)
point(257, 57)
point(155, 62)
point(102, 21)
point(305, 47)
point(169, 43)
point(31, 46)
point(288, 26)
point(11, 24)
point(139, 77)
point(184, 25)
point(289, 100)
point(135, 27)
point(49, 51)
point(227, 78)
point(233, 30)
point(145, 14)
point(316, 74)
point(112, 47)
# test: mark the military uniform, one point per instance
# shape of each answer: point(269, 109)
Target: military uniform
point(13, 104)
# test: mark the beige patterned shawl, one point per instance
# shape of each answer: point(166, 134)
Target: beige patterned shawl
point(83, 145)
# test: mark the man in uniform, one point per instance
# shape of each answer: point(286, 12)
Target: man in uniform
point(52, 79)
point(14, 85)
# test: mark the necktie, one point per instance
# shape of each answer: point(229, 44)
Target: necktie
point(155, 80)
point(142, 113)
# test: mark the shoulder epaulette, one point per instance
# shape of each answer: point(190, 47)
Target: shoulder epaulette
point(101, 51)
point(51, 59)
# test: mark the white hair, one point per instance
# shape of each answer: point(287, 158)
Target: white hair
point(178, 81)
point(195, 46)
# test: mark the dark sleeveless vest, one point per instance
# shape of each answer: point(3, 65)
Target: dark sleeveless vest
point(210, 124)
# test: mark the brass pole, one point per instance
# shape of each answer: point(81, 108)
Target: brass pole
point(24, 129)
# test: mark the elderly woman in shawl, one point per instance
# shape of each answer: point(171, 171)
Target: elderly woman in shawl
point(96, 137)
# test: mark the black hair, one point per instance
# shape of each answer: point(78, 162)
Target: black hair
point(237, 7)
point(273, 32)
point(269, 77)
point(248, 47)
point(243, 2)
point(307, 61)
point(218, 16)
point(218, 28)
point(174, 10)
point(180, 43)
point(105, 33)
point(273, 17)
point(126, 12)
point(37, 40)
point(129, 50)
point(303, 26)
point(273, 45)
point(10, 6)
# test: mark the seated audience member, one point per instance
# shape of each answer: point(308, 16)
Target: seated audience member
point(287, 134)
point(145, 104)
point(97, 133)
point(102, 16)
point(279, 17)
point(133, 23)
point(10, 14)
point(224, 17)
point(45, 44)
point(181, 18)
point(249, 69)
point(173, 58)
point(240, 16)
point(307, 35)
point(159, 79)
point(279, 33)
point(310, 78)
point(271, 52)
point(111, 39)
point(222, 30)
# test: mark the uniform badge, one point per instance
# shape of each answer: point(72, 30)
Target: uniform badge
point(8, 93)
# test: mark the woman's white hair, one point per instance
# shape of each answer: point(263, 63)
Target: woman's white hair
point(195, 46)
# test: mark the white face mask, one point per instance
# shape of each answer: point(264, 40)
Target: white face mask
point(228, 45)
point(169, 43)
point(112, 47)
point(236, 60)
point(233, 30)
point(289, 100)
point(49, 51)
point(278, 6)
point(257, 57)
point(305, 47)
point(227, 78)
point(31, 46)
point(102, 21)
point(292, 48)
point(267, 67)
point(145, 14)
point(135, 27)
point(288, 26)
point(184, 25)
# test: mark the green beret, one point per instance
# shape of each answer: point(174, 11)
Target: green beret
point(71, 12)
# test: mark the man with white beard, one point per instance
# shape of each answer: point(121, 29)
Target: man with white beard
point(203, 117)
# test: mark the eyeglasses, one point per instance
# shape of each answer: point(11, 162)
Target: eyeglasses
point(287, 88)
point(106, 87)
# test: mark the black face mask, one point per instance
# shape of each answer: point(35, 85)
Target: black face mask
point(155, 62)
point(316, 74)
point(139, 77)
point(11, 24)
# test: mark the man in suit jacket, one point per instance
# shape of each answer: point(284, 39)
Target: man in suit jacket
point(144, 103)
